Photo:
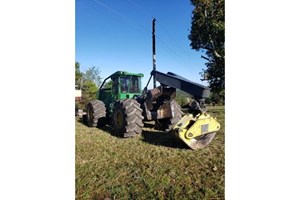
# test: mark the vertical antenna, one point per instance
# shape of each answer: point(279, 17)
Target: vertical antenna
point(153, 51)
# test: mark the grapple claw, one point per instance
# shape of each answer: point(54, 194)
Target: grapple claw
point(197, 131)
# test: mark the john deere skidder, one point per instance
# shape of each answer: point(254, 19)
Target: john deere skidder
point(127, 106)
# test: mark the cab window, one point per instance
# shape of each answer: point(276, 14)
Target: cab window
point(124, 84)
point(134, 85)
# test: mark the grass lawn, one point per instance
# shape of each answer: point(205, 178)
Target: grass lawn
point(155, 165)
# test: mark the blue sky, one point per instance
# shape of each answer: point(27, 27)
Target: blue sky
point(116, 35)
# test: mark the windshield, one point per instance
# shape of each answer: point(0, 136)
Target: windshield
point(130, 84)
point(134, 85)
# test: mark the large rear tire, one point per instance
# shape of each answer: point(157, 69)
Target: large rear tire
point(168, 123)
point(128, 118)
point(96, 113)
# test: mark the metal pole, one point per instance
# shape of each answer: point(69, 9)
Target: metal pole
point(153, 51)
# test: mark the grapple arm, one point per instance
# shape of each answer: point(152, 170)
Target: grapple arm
point(196, 131)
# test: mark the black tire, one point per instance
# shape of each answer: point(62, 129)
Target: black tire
point(168, 123)
point(127, 118)
point(96, 113)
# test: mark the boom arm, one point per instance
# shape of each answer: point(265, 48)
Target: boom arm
point(198, 128)
point(173, 80)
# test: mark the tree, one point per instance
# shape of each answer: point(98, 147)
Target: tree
point(108, 84)
point(93, 74)
point(182, 98)
point(78, 74)
point(89, 83)
point(89, 91)
point(208, 34)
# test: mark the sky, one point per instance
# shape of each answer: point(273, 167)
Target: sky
point(116, 35)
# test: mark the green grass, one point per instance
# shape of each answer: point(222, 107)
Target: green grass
point(153, 166)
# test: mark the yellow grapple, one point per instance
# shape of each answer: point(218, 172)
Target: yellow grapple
point(197, 131)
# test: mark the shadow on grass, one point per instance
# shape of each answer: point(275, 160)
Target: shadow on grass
point(106, 128)
point(150, 135)
point(162, 139)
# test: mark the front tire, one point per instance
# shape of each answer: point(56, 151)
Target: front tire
point(128, 118)
point(96, 113)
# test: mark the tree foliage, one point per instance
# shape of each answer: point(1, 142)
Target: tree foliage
point(208, 34)
point(78, 74)
point(108, 84)
point(89, 91)
point(88, 82)
point(93, 74)
point(182, 98)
